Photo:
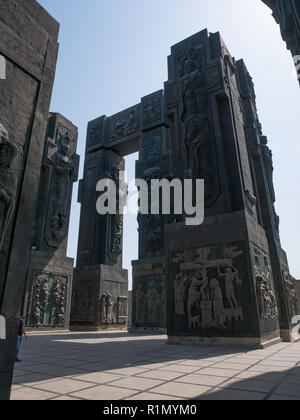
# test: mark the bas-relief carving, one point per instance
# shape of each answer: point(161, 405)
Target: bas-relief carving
point(65, 172)
point(122, 304)
point(152, 225)
point(150, 302)
point(113, 312)
point(124, 124)
point(199, 144)
point(116, 220)
point(154, 233)
point(107, 306)
point(291, 294)
point(152, 298)
point(152, 109)
point(48, 300)
point(8, 184)
point(95, 132)
point(193, 86)
point(180, 285)
point(83, 304)
point(205, 289)
point(265, 291)
point(267, 156)
point(268, 165)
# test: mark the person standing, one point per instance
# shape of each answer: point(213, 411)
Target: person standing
point(22, 334)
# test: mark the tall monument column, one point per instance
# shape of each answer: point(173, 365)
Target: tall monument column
point(261, 161)
point(287, 15)
point(100, 289)
point(149, 276)
point(50, 273)
point(227, 279)
point(30, 51)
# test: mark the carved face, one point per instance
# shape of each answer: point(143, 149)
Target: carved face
point(5, 156)
point(214, 284)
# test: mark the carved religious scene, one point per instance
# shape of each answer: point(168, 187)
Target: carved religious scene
point(199, 143)
point(107, 309)
point(265, 292)
point(150, 302)
point(8, 184)
point(122, 303)
point(152, 108)
point(291, 294)
point(83, 304)
point(267, 156)
point(116, 220)
point(64, 174)
point(48, 301)
point(206, 289)
point(124, 124)
point(151, 226)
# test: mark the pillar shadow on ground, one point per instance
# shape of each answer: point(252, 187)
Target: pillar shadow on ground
point(210, 373)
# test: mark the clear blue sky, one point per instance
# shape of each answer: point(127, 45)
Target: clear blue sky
point(113, 52)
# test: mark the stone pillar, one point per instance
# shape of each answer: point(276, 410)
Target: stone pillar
point(149, 295)
point(100, 290)
point(220, 275)
point(287, 15)
point(226, 280)
point(149, 285)
point(50, 274)
point(30, 51)
point(261, 161)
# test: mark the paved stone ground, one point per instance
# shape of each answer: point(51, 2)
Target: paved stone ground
point(119, 366)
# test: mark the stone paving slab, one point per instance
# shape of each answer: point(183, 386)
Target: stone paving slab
point(120, 366)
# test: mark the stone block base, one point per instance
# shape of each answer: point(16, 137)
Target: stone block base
point(100, 298)
point(287, 336)
point(49, 289)
point(149, 295)
point(247, 342)
point(145, 330)
point(84, 328)
point(220, 283)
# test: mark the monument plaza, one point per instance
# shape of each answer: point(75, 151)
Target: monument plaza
point(213, 310)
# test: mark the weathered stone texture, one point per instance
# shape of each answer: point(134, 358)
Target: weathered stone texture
point(28, 41)
point(229, 278)
point(50, 273)
point(287, 15)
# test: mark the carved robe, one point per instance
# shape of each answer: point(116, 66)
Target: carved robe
point(152, 297)
point(8, 188)
point(62, 179)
